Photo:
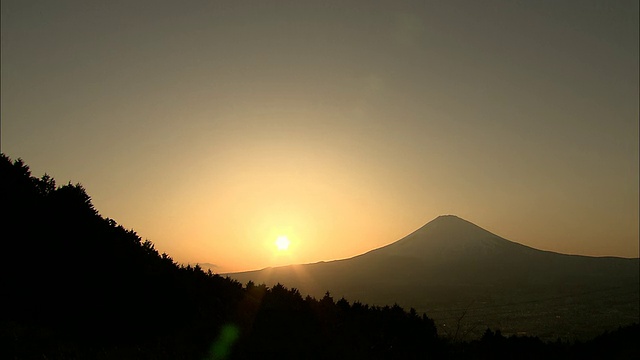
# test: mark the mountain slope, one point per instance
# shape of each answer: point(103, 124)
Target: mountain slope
point(77, 285)
point(450, 235)
point(450, 263)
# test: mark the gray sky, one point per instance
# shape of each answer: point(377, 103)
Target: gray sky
point(212, 127)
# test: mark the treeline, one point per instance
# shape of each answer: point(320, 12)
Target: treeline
point(75, 285)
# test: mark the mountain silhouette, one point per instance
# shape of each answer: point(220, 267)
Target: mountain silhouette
point(449, 235)
point(76, 285)
point(451, 265)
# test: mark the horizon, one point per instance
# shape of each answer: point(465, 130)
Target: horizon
point(86, 278)
point(209, 265)
point(253, 135)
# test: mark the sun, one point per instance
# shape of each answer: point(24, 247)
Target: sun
point(282, 243)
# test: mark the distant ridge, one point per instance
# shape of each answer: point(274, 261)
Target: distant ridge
point(450, 262)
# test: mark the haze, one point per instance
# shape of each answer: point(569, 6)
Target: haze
point(213, 128)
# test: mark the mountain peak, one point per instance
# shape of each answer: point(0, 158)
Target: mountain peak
point(449, 217)
point(446, 234)
point(451, 224)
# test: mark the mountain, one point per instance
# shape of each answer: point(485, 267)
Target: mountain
point(76, 285)
point(452, 268)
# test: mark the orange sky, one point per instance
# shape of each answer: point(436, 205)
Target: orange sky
point(212, 128)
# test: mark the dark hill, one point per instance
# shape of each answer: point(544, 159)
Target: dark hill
point(450, 265)
point(75, 285)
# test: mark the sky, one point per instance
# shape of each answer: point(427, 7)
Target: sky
point(212, 128)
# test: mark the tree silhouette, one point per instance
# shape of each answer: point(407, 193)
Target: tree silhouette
point(77, 285)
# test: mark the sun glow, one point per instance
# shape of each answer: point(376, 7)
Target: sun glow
point(282, 243)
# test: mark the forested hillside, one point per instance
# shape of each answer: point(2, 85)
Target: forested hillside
point(78, 286)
